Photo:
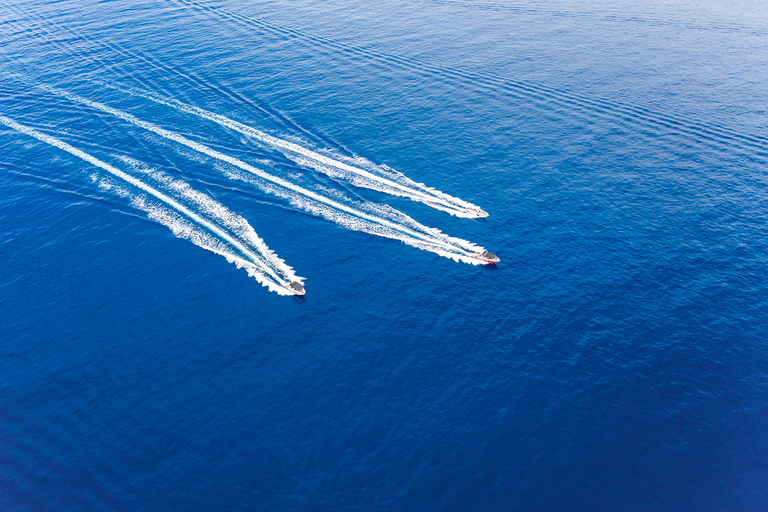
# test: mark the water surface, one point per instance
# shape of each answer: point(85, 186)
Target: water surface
point(614, 360)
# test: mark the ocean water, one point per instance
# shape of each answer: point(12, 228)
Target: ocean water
point(167, 168)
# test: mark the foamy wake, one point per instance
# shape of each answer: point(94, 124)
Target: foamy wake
point(358, 172)
point(381, 221)
point(187, 213)
point(371, 218)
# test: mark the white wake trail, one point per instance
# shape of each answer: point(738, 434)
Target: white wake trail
point(457, 248)
point(450, 247)
point(325, 164)
point(224, 217)
point(258, 265)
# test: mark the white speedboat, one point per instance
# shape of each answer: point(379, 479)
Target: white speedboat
point(296, 288)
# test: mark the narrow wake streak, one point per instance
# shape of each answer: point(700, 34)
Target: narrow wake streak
point(432, 240)
point(251, 252)
point(325, 164)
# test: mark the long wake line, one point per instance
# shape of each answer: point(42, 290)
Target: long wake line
point(253, 258)
point(467, 254)
point(431, 197)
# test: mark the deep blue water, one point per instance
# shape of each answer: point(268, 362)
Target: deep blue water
point(614, 360)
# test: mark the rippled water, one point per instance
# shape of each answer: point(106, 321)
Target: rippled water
point(168, 168)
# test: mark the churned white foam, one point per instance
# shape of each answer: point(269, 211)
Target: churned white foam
point(415, 234)
point(254, 256)
point(224, 217)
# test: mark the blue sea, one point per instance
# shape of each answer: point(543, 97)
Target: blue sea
point(169, 168)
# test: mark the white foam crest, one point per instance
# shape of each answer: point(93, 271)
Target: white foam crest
point(331, 166)
point(178, 221)
point(202, 148)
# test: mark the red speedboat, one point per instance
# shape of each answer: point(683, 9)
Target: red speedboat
point(487, 257)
